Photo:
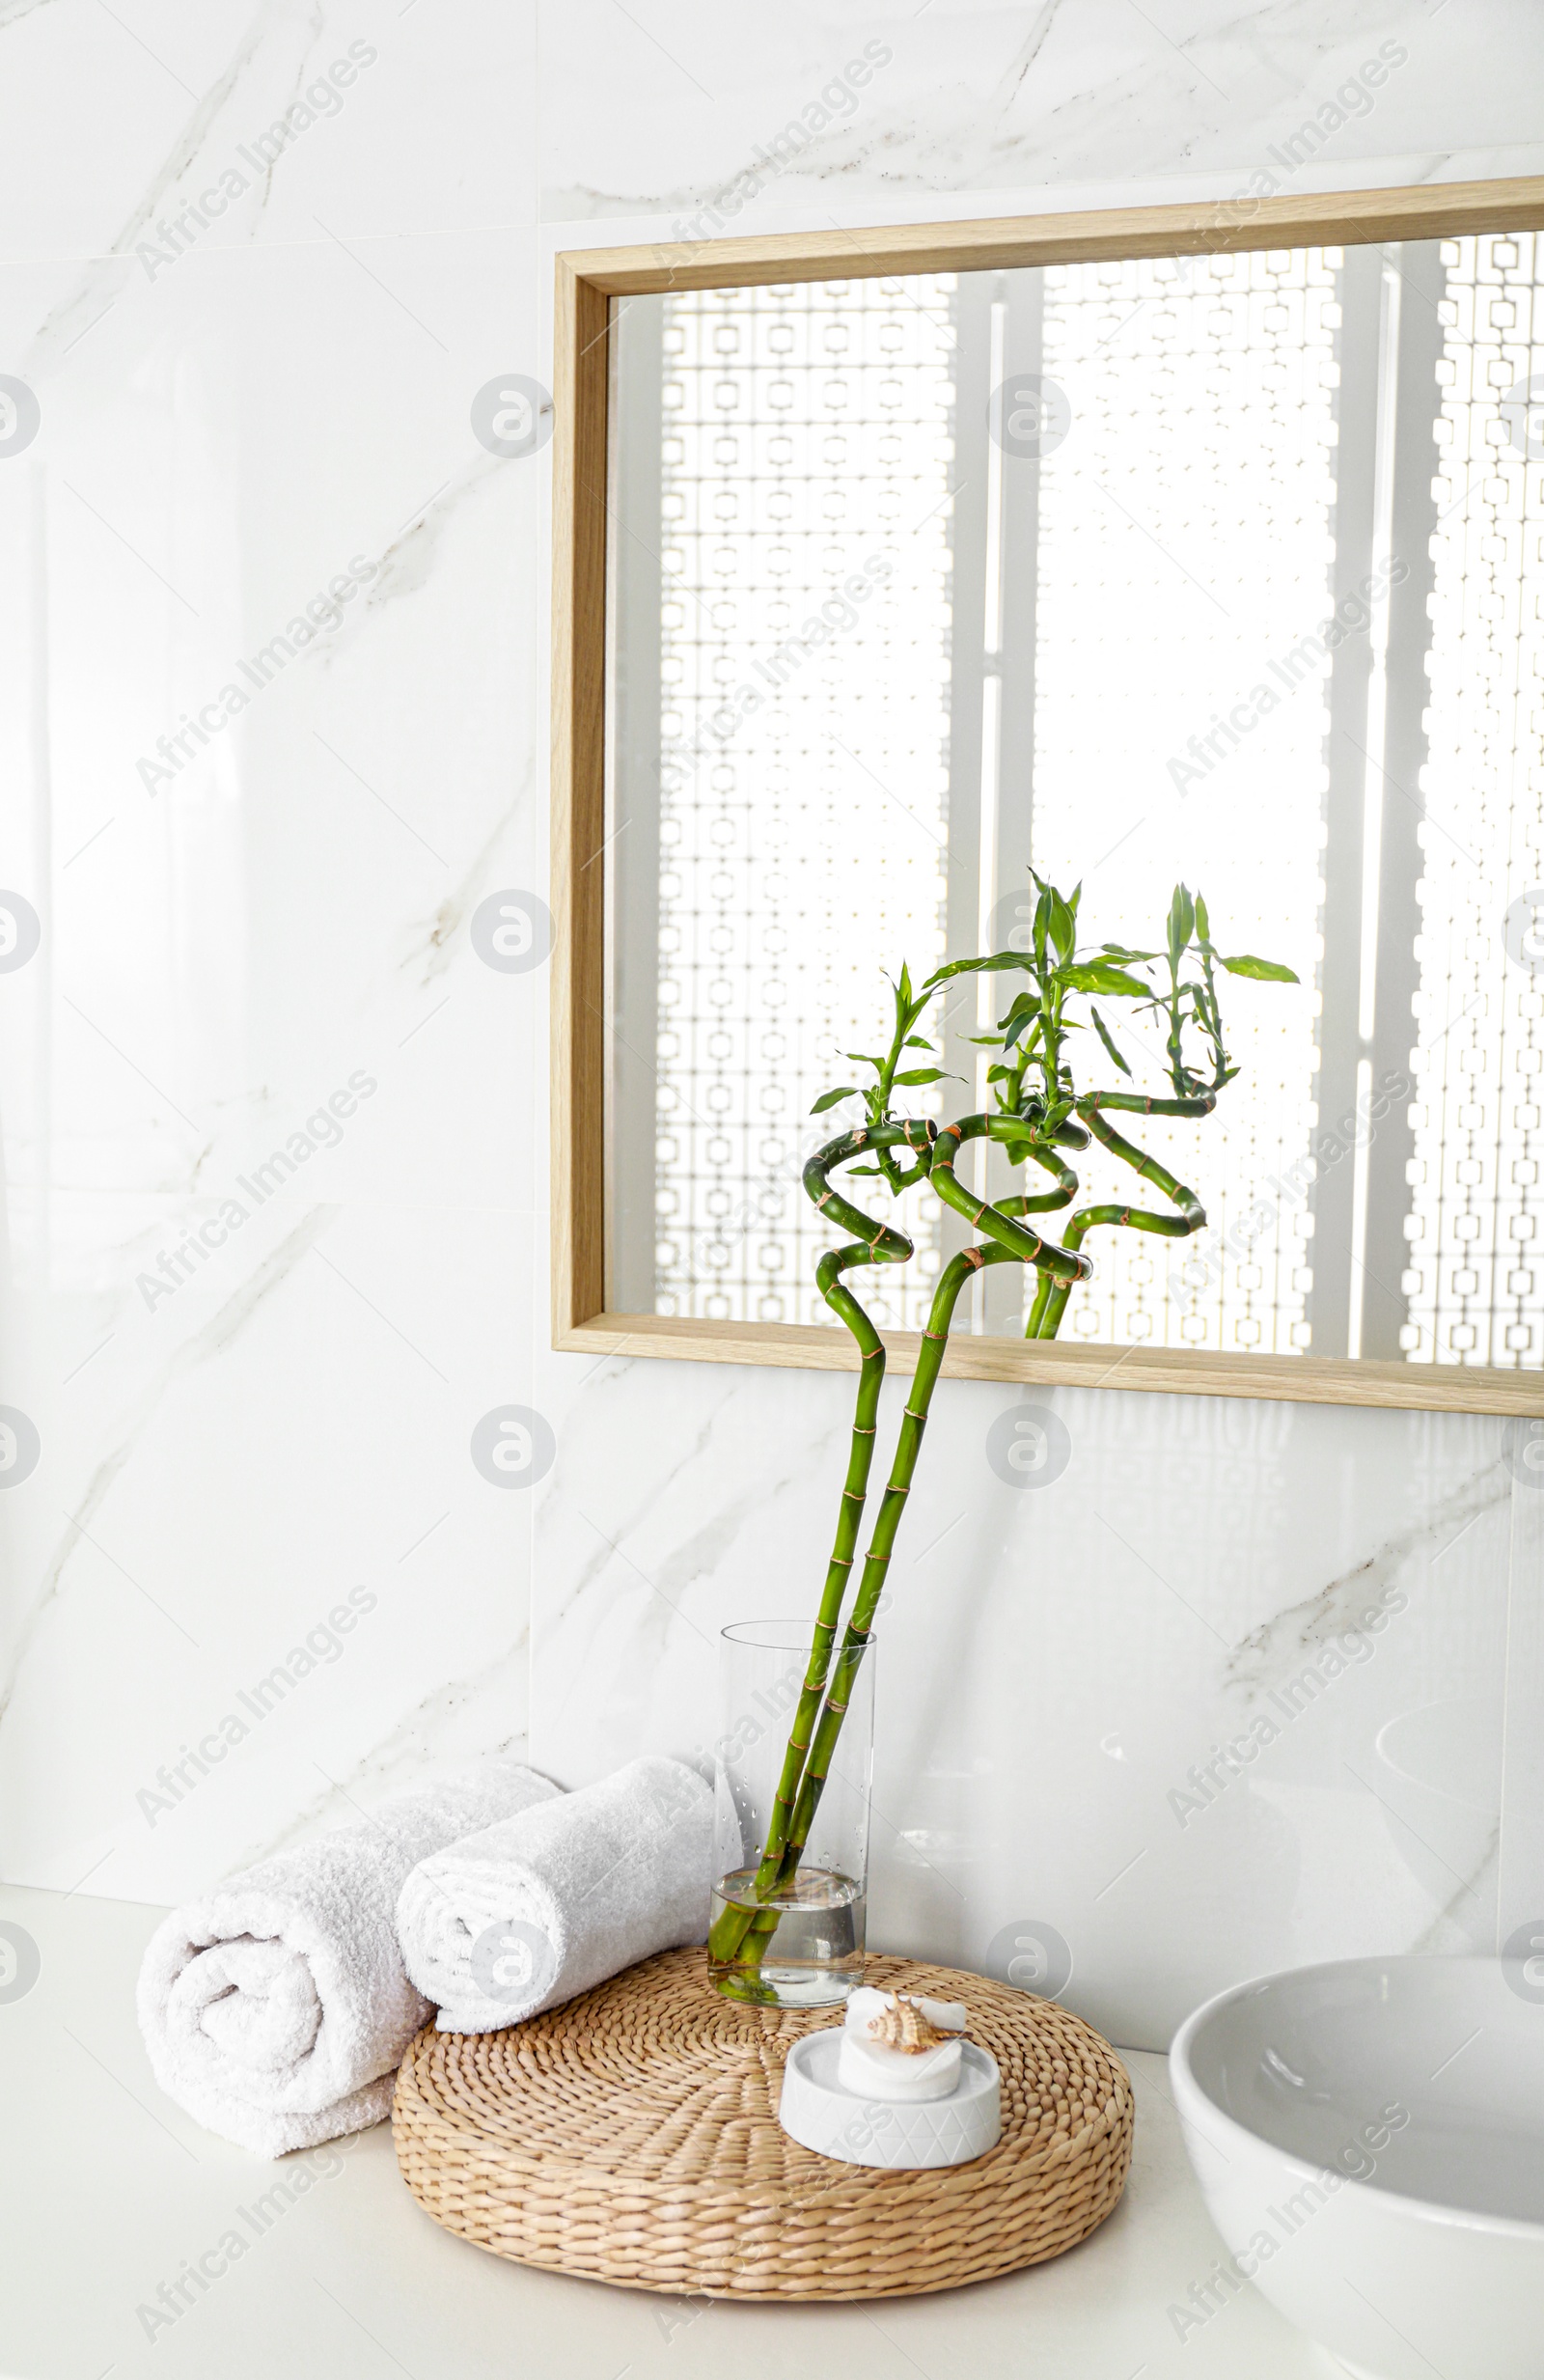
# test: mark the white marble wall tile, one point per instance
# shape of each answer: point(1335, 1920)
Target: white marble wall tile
point(1520, 1881)
point(663, 114)
point(262, 942)
point(206, 468)
point(112, 126)
point(211, 1486)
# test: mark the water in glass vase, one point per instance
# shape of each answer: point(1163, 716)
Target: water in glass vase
point(812, 1958)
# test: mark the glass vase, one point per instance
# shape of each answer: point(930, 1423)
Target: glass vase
point(798, 1944)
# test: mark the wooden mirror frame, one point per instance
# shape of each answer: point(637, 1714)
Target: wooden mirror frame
point(587, 282)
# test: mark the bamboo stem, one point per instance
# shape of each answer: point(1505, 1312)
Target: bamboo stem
point(859, 1625)
point(879, 1245)
point(1062, 1196)
point(999, 1225)
point(1047, 1316)
point(1010, 1243)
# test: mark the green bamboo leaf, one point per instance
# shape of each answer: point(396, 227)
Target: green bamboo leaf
point(916, 1041)
point(1109, 1044)
point(865, 1059)
point(919, 1074)
point(1062, 929)
point(863, 1169)
point(1118, 949)
point(903, 988)
point(1203, 923)
point(1262, 970)
point(829, 1099)
point(980, 966)
point(1181, 922)
point(1098, 975)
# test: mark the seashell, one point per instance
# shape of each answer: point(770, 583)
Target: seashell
point(902, 2026)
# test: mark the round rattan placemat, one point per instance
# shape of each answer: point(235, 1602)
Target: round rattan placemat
point(632, 2136)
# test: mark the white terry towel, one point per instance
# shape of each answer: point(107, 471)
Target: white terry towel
point(275, 2008)
point(542, 1906)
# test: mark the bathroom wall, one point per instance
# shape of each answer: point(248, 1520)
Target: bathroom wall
point(270, 1005)
point(256, 1011)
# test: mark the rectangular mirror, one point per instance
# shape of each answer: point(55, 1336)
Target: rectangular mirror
point(1222, 569)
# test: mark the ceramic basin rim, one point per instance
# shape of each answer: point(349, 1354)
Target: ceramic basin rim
point(1193, 2100)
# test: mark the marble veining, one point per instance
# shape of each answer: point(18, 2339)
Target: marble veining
point(1273, 1646)
point(1029, 97)
point(212, 1340)
point(406, 565)
point(106, 277)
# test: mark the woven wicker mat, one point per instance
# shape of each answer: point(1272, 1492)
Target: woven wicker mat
point(632, 2136)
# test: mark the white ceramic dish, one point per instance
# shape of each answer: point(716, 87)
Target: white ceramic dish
point(1369, 2139)
point(901, 2136)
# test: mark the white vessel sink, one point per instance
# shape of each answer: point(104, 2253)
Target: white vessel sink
point(1369, 2139)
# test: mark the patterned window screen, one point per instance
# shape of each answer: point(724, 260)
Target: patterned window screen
point(822, 458)
point(1475, 1202)
point(804, 732)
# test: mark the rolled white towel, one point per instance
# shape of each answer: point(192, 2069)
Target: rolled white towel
point(542, 1906)
point(275, 2008)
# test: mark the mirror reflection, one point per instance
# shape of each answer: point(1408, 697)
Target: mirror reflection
point(1218, 572)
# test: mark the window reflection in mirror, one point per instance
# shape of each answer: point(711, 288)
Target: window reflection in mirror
point(1222, 569)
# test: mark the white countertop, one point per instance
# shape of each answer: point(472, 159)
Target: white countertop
point(107, 2190)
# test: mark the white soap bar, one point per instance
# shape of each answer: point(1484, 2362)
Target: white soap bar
point(872, 2070)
